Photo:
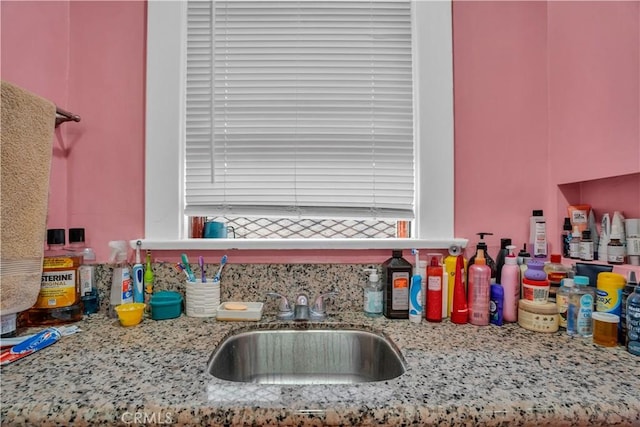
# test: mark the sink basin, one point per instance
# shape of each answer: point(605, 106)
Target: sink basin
point(315, 356)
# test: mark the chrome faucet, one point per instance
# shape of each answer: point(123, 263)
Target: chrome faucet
point(301, 310)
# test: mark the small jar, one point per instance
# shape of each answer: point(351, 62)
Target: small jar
point(535, 291)
point(538, 317)
point(535, 270)
point(605, 328)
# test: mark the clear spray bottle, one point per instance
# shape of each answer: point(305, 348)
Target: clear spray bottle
point(121, 283)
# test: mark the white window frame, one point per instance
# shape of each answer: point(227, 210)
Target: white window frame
point(165, 223)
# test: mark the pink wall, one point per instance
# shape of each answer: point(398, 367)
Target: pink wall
point(35, 56)
point(519, 72)
point(500, 107)
point(88, 58)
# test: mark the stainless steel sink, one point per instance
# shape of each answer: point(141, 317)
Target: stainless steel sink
point(315, 356)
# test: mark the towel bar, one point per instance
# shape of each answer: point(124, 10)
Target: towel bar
point(65, 116)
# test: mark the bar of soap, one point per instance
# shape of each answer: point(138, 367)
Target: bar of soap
point(235, 306)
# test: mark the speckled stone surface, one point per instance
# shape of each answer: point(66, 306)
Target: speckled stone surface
point(456, 375)
point(251, 282)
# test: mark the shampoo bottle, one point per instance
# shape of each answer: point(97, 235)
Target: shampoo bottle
point(630, 286)
point(489, 262)
point(523, 259)
point(478, 291)
point(373, 294)
point(433, 311)
point(633, 322)
point(459, 310)
point(502, 254)
point(121, 283)
point(450, 263)
point(511, 286)
point(396, 278)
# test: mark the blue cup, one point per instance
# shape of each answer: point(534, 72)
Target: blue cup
point(217, 230)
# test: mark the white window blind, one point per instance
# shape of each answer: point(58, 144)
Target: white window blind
point(299, 108)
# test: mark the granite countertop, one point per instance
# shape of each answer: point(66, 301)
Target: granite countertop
point(155, 372)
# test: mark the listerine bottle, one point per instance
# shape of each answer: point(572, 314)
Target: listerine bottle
point(59, 298)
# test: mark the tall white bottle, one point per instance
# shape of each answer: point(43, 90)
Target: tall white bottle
point(511, 286)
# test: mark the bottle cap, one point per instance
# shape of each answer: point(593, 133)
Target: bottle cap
point(567, 282)
point(586, 234)
point(537, 212)
point(581, 280)
point(55, 236)
point(505, 242)
point(556, 258)
point(567, 224)
point(88, 255)
point(76, 235)
point(397, 253)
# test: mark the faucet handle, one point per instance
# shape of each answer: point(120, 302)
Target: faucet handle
point(284, 306)
point(318, 305)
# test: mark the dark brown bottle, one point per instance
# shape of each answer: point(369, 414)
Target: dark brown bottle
point(396, 276)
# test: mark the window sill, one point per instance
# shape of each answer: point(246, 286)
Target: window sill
point(298, 244)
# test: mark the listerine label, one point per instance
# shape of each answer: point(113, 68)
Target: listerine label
point(57, 289)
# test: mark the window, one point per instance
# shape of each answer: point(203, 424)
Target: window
point(231, 132)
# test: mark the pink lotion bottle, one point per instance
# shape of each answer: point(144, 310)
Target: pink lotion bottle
point(478, 292)
point(511, 285)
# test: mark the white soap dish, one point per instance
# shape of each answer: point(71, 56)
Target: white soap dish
point(252, 311)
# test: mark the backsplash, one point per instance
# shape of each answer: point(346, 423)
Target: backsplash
point(250, 282)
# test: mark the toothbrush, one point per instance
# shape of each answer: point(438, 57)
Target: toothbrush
point(187, 268)
point(138, 276)
point(202, 272)
point(180, 267)
point(417, 255)
point(223, 261)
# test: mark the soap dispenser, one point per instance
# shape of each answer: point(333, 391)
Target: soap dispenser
point(488, 260)
point(373, 294)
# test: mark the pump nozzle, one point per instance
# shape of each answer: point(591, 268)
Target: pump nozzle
point(482, 234)
point(482, 244)
point(373, 274)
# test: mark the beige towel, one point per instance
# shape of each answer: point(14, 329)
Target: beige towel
point(28, 122)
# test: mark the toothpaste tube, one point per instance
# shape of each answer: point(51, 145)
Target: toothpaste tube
point(37, 342)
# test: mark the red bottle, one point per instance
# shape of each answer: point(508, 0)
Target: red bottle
point(459, 310)
point(433, 311)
